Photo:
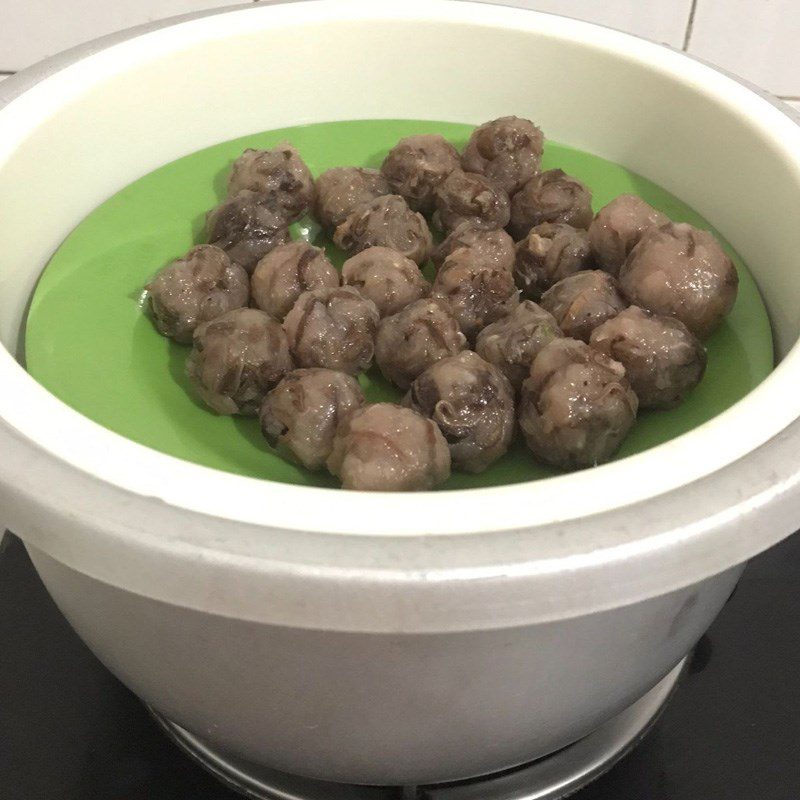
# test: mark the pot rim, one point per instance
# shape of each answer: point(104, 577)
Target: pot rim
point(696, 513)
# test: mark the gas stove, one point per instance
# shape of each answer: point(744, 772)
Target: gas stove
point(723, 726)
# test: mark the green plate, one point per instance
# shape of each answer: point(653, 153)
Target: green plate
point(89, 343)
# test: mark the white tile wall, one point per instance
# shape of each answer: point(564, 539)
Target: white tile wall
point(754, 38)
point(757, 39)
point(659, 20)
point(34, 29)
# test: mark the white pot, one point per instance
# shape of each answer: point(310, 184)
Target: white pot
point(384, 638)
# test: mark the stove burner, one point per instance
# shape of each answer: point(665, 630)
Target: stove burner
point(551, 778)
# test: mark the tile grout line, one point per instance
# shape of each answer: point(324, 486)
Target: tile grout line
point(689, 26)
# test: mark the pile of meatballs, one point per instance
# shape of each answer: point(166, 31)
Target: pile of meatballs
point(542, 316)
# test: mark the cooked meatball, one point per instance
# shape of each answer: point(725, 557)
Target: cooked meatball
point(549, 253)
point(196, 288)
point(386, 221)
point(410, 341)
point(279, 176)
point(552, 196)
point(288, 271)
point(246, 229)
point(683, 272)
point(476, 294)
point(507, 150)
point(494, 248)
point(472, 403)
point(342, 189)
point(237, 358)
point(333, 328)
point(663, 359)
point(388, 448)
point(417, 165)
point(513, 341)
point(577, 406)
point(386, 277)
point(302, 412)
point(582, 301)
point(617, 228)
point(470, 197)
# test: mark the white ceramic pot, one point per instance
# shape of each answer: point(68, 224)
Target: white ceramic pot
point(380, 638)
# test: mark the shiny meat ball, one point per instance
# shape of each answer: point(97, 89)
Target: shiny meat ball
point(246, 229)
point(476, 294)
point(617, 228)
point(552, 196)
point(279, 176)
point(196, 288)
point(341, 189)
point(663, 359)
point(237, 358)
point(417, 165)
point(418, 336)
point(302, 412)
point(472, 403)
point(388, 448)
point(514, 341)
point(548, 254)
point(583, 301)
point(288, 271)
point(577, 406)
point(473, 198)
point(386, 277)
point(682, 272)
point(333, 328)
point(386, 221)
point(494, 248)
point(507, 150)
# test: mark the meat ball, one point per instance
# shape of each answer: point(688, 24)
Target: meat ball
point(246, 229)
point(420, 335)
point(196, 288)
point(386, 221)
point(470, 197)
point(417, 165)
point(663, 359)
point(682, 272)
point(577, 406)
point(513, 342)
point(279, 176)
point(386, 277)
point(342, 189)
point(472, 403)
point(333, 328)
point(237, 358)
point(288, 271)
point(388, 448)
point(477, 294)
point(617, 228)
point(302, 412)
point(551, 196)
point(548, 254)
point(494, 248)
point(583, 301)
point(507, 150)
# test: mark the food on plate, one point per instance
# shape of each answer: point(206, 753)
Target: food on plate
point(302, 412)
point(286, 272)
point(385, 447)
point(332, 328)
point(472, 402)
point(577, 406)
point(237, 358)
point(196, 288)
